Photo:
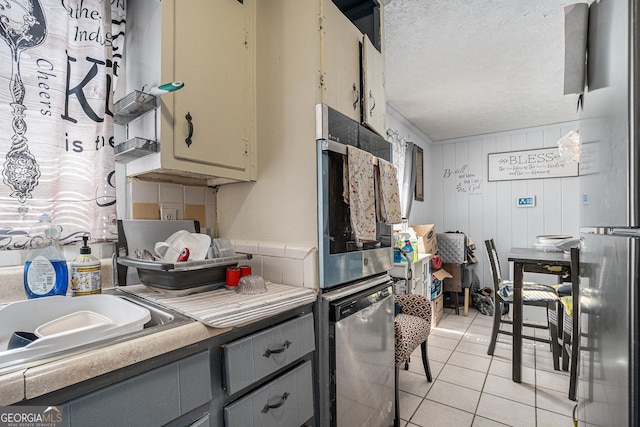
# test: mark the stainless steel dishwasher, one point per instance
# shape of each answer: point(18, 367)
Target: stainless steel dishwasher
point(356, 353)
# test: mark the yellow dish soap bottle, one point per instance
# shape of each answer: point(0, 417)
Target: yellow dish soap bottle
point(85, 272)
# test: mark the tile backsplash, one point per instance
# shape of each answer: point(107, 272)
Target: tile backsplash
point(150, 200)
point(289, 264)
point(284, 263)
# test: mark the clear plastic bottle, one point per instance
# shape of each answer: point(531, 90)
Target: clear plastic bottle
point(408, 249)
point(85, 272)
point(45, 269)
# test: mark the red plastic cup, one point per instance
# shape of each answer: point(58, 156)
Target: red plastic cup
point(245, 270)
point(233, 276)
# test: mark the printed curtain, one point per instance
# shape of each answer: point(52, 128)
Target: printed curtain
point(59, 64)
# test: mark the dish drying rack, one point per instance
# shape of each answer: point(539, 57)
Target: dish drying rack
point(183, 275)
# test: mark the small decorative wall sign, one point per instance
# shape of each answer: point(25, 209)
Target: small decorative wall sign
point(529, 164)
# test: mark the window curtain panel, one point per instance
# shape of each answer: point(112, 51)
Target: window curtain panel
point(404, 161)
point(59, 64)
point(399, 149)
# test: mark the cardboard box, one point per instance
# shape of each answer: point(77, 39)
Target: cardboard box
point(460, 276)
point(437, 281)
point(441, 274)
point(426, 235)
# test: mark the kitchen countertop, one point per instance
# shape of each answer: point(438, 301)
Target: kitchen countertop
point(39, 378)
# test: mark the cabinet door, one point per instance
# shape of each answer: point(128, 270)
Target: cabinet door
point(153, 398)
point(340, 61)
point(213, 112)
point(374, 114)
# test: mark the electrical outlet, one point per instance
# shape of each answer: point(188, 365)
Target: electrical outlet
point(167, 214)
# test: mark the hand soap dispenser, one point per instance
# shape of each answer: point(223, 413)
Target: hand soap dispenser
point(85, 272)
point(45, 269)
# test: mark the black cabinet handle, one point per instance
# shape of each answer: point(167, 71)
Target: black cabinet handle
point(189, 121)
point(285, 345)
point(277, 405)
point(374, 103)
point(357, 96)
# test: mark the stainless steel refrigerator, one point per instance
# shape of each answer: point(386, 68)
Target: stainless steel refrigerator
point(608, 384)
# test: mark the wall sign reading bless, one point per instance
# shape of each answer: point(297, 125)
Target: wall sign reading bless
point(529, 164)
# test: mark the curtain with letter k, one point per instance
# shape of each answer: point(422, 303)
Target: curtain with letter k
point(59, 64)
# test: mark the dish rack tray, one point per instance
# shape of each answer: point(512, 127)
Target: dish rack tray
point(183, 275)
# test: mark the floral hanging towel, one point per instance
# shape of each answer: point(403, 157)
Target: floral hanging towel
point(361, 194)
point(387, 193)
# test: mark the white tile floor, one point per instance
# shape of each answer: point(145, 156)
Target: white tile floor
point(471, 388)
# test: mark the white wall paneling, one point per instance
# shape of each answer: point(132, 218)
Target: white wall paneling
point(463, 198)
point(435, 213)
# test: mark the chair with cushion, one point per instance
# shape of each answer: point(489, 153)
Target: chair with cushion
point(412, 327)
point(532, 295)
point(566, 320)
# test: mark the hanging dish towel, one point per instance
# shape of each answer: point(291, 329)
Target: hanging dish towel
point(361, 195)
point(387, 193)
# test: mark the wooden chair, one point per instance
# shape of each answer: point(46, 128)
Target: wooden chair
point(570, 336)
point(412, 327)
point(532, 295)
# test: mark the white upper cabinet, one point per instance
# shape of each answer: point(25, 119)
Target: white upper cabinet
point(352, 77)
point(206, 130)
point(341, 80)
point(213, 113)
point(374, 108)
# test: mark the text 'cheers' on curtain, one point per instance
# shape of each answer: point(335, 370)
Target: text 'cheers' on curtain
point(59, 64)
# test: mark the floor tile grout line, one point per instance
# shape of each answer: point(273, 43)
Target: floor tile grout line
point(416, 410)
point(422, 399)
point(538, 365)
point(448, 359)
point(486, 377)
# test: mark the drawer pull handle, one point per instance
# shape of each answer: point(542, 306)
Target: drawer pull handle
point(277, 405)
point(285, 345)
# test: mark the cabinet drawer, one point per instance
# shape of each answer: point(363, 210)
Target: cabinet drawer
point(252, 358)
point(285, 401)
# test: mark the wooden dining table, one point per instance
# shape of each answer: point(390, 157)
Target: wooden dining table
point(530, 260)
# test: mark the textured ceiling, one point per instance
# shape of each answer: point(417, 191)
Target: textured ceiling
point(459, 68)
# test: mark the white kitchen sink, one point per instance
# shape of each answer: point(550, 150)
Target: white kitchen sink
point(64, 323)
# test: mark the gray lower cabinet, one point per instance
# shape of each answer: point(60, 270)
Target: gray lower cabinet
point(285, 401)
point(267, 377)
point(252, 358)
point(153, 398)
point(259, 374)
